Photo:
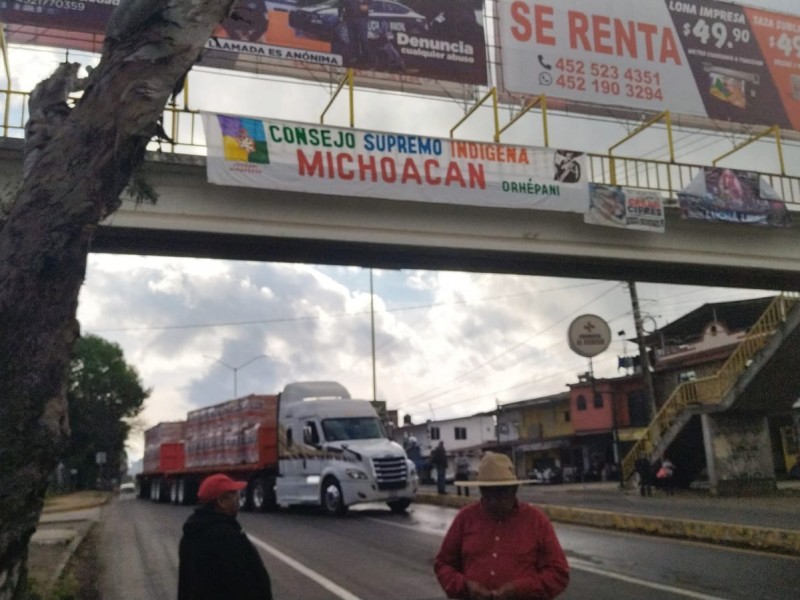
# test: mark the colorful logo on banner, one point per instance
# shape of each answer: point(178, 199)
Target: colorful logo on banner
point(733, 196)
point(627, 208)
point(281, 155)
point(704, 58)
point(244, 139)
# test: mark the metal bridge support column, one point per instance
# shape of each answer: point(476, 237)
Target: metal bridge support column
point(738, 453)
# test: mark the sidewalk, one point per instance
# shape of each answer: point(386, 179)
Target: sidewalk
point(764, 523)
point(64, 523)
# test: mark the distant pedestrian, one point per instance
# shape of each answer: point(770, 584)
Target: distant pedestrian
point(439, 462)
point(645, 472)
point(795, 470)
point(462, 472)
point(501, 548)
point(665, 476)
point(216, 560)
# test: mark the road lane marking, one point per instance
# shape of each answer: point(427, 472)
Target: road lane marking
point(581, 565)
point(300, 567)
point(418, 528)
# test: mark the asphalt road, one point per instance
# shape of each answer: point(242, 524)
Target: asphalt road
point(372, 554)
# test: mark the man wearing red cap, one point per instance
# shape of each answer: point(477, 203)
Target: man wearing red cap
point(217, 561)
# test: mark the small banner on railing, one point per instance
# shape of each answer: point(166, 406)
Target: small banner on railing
point(733, 196)
point(626, 208)
point(300, 157)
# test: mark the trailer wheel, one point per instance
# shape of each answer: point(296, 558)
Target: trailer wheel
point(245, 499)
point(258, 494)
point(155, 490)
point(399, 506)
point(331, 497)
point(261, 494)
point(173, 491)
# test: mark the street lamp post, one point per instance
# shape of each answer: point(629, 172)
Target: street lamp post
point(236, 369)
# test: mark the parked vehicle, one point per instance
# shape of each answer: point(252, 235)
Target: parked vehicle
point(320, 20)
point(127, 491)
point(312, 444)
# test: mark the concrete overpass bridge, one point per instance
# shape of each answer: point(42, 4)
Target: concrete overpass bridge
point(195, 218)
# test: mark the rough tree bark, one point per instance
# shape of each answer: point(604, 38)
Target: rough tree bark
point(78, 160)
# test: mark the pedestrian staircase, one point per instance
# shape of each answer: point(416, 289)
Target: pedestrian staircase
point(714, 393)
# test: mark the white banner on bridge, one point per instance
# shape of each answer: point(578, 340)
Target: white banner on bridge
point(281, 155)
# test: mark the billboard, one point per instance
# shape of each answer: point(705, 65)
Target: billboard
point(282, 155)
point(733, 196)
point(625, 208)
point(412, 39)
point(701, 58)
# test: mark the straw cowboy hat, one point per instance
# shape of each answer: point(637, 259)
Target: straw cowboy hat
point(495, 470)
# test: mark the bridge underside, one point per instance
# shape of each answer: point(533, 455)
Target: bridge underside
point(128, 240)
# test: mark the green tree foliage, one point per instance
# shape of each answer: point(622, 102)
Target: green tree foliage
point(103, 392)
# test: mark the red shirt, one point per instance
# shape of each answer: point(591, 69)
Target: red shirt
point(522, 549)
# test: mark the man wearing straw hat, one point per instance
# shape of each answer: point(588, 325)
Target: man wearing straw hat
point(500, 548)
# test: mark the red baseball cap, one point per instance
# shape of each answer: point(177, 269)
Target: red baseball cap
point(214, 486)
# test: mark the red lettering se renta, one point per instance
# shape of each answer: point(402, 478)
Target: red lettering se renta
point(540, 28)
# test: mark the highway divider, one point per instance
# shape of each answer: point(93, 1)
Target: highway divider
point(780, 541)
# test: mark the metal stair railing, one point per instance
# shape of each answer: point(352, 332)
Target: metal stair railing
point(711, 390)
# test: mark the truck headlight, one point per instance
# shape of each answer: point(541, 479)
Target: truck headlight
point(356, 474)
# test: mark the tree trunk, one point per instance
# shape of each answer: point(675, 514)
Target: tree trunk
point(77, 163)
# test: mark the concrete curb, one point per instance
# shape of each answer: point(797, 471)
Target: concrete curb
point(78, 504)
point(766, 539)
point(66, 556)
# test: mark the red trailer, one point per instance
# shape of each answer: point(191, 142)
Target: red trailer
point(238, 437)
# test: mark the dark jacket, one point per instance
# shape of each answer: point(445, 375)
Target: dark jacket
point(218, 562)
point(439, 457)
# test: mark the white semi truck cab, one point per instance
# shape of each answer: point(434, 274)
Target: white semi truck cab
point(333, 452)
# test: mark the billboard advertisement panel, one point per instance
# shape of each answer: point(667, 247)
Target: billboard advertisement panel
point(281, 155)
point(733, 196)
point(625, 208)
point(429, 39)
point(702, 58)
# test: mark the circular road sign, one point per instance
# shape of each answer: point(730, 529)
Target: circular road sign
point(588, 335)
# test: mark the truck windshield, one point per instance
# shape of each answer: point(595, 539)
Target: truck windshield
point(352, 428)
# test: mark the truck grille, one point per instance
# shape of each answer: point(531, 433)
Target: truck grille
point(391, 473)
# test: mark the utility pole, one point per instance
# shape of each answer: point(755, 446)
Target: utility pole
point(372, 328)
point(497, 421)
point(644, 358)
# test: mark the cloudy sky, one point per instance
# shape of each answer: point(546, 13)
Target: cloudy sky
point(446, 343)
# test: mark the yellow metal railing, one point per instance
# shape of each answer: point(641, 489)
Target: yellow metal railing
point(491, 94)
point(662, 176)
point(711, 390)
point(669, 178)
point(773, 131)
